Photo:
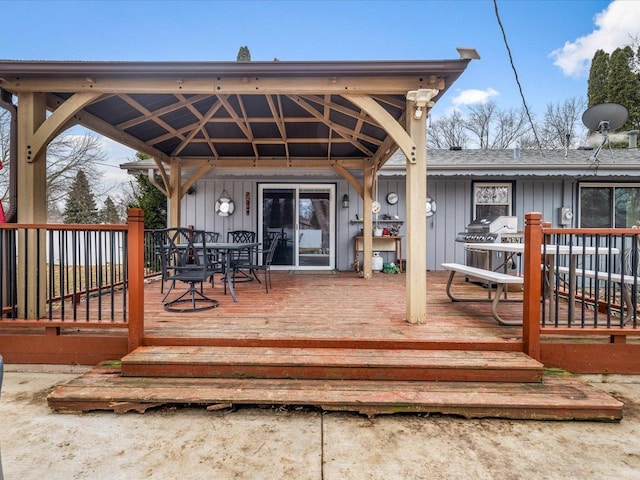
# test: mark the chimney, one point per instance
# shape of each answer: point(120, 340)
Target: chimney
point(633, 138)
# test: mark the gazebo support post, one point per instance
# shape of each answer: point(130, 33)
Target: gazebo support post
point(416, 221)
point(32, 199)
point(367, 224)
point(175, 195)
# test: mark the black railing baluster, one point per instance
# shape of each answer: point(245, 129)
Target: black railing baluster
point(125, 270)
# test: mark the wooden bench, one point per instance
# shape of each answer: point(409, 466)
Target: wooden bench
point(492, 278)
point(626, 282)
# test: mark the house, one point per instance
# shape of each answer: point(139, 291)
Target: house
point(302, 147)
point(552, 182)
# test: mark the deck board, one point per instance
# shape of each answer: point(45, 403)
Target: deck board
point(338, 363)
point(556, 398)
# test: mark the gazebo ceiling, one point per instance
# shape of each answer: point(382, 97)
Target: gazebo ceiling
point(237, 114)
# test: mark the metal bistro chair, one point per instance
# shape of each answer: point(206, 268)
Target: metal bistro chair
point(267, 258)
point(243, 260)
point(213, 257)
point(183, 259)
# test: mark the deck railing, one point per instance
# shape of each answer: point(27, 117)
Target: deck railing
point(579, 282)
point(152, 266)
point(80, 276)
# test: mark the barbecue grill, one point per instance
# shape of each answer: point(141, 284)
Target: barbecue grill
point(487, 230)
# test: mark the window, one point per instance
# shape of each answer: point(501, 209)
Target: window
point(491, 199)
point(609, 205)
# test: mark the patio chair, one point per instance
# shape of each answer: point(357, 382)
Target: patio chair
point(209, 237)
point(183, 259)
point(242, 260)
point(267, 258)
point(213, 257)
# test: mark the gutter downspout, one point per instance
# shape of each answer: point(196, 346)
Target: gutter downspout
point(6, 102)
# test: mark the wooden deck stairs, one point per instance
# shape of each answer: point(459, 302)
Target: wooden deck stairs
point(472, 384)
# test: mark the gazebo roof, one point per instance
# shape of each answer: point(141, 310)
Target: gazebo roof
point(238, 114)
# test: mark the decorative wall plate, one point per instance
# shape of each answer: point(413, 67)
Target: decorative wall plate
point(224, 205)
point(375, 206)
point(431, 206)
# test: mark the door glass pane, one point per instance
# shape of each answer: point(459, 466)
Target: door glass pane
point(314, 221)
point(278, 216)
point(596, 207)
point(627, 207)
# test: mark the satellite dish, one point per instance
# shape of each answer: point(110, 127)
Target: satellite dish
point(605, 116)
point(602, 118)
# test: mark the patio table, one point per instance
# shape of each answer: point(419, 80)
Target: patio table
point(226, 249)
point(550, 250)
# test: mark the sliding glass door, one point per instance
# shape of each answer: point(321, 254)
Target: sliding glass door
point(304, 215)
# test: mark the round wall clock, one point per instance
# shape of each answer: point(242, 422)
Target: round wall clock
point(392, 198)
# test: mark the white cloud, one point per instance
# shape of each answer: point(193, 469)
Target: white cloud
point(116, 152)
point(473, 96)
point(616, 26)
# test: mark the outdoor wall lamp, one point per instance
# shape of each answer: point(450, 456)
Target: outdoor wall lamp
point(345, 201)
point(421, 98)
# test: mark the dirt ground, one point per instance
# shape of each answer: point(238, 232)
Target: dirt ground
point(299, 443)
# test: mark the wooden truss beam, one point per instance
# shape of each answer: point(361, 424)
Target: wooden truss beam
point(373, 85)
point(52, 126)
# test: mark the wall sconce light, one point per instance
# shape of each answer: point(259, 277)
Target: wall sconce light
point(421, 98)
point(345, 201)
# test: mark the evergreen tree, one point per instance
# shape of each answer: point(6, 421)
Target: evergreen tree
point(81, 204)
point(109, 213)
point(244, 55)
point(615, 78)
point(623, 85)
point(597, 86)
point(150, 199)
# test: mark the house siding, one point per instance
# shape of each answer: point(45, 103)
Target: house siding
point(452, 195)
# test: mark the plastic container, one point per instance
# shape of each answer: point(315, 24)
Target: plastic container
point(376, 262)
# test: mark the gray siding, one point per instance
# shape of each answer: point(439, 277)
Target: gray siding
point(452, 195)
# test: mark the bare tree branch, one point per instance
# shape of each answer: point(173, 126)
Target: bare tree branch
point(66, 155)
point(448, 131)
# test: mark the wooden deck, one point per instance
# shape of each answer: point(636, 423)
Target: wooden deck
point(337, 342)
point(337, 309)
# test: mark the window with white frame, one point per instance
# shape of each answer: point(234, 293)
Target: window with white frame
point(492, 199)
point(610, 205)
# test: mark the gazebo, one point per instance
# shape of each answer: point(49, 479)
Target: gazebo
point(193, 117)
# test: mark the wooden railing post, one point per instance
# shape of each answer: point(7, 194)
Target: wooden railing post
point(532, 284)
point(136, 276)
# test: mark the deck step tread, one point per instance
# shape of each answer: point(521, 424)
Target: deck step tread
point(266, 362)
point(556, 398)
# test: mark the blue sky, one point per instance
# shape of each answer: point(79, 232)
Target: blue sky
point(551, 42)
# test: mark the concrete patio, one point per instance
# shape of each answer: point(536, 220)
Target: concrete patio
point(296, 443)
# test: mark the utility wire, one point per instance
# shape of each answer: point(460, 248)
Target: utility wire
point(515, 72)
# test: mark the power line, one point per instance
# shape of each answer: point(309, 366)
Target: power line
point(515, 72)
